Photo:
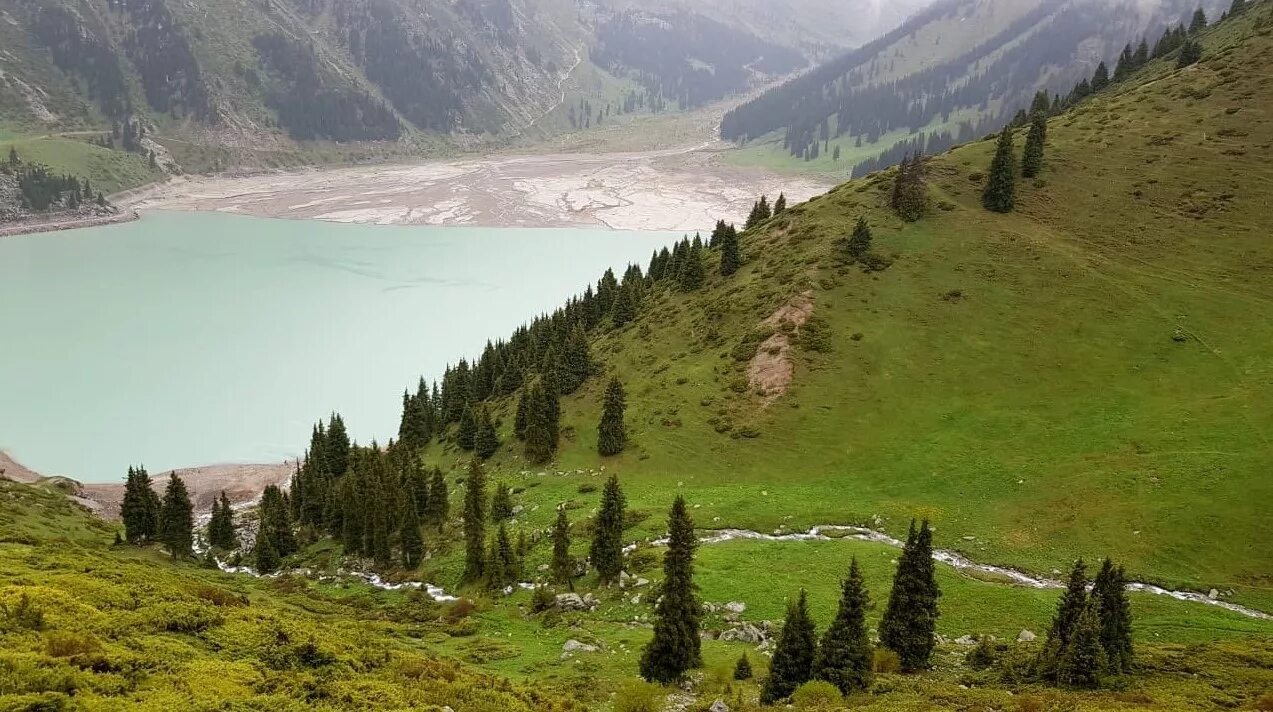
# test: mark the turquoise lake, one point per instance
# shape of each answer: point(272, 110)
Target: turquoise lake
point(188, 339)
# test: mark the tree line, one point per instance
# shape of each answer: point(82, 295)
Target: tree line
point(43, 190)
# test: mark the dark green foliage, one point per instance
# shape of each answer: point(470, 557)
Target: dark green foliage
point(1198, 22)
point(336, 448)
point(43, 190)
point(264, 554)
point(140, 508)
point(276, 519)
point(543, 412)
point(844, 657)
point(1237, 8)
point(1000, 193)
point(501, 565)
point(466, 434)
point(501, 503)
point(176, 518)
point(780, 205)
point(675, 645)
point(692, 271)
point(1190, 53)
point(1109, 592)
point(910, 195)
point(909, 625)
point(731, 257)
point(576, 360)
point(486, 440)
point(611, 432)
point(1032, 160)
point(439, 500)
point(474, 522)
point(221, 534)
point(742, 668)
point(1082, 662)
point(792, 664)
point(416, 427)
point(760, 212)
point(606, 552)
point(563, 565)
point(1100, 78)
point(1068, 609)
point(410, 542)
point(858, 244)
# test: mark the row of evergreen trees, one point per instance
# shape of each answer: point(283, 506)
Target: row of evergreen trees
point(150, 519)
point(42, 189)
point(999, 194)
point(1091, 633)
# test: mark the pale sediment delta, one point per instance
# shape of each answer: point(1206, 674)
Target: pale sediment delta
point(676, 189)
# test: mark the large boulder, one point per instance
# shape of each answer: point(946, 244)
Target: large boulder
point(718, 706)
point(574, 602)
point(1026, 636)
point(574, 646)
point(745, 633)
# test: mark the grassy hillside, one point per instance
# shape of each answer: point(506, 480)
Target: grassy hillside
point(1085, 376)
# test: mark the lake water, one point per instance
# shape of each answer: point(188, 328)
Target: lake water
point(197, 338)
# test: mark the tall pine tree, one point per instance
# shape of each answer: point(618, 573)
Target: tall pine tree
point(563, 566)
point(176, 518)
point(439, 500)
point(486, 440)
point(1032, 160)
point(221, 533)
point(140, 508)
point(410, 542)
point(1000, 193)
point(792, 664)
point(731, 257)
point(909, 625)
point(844, 657)
point(606, 553)
point(858, 244)
point(612, 435)
point(675, 647)
point(474, 522)
point(1109, 589)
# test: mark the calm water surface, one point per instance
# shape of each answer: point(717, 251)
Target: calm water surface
point(197, 338)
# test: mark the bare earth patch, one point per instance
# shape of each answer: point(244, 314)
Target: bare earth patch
point(770, 371)
point(241, 483)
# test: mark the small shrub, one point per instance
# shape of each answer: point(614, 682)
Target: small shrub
point(24, 614)
point(742, 669)
point(816, 335)
point(639, 696)
point(66, 644)
point(816, 695)
point(220, 597)
point(587, 487)
point(983, 655)
point(542, 599)
point(976, 176)
point(459, 610)
point(462, 628)
point(886, 661)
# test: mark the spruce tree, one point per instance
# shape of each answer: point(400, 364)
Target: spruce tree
point(1237, 8)
point(845, 657)
point(576, 361)
point(522, 415)
point(611, 432)
point(910, 196)
point(909, 625)
point(221, 534)
point(1068, 609)
point(858, 244)
point(1083, 662)
point(624, 308)
point(675, 646)
point(336, 449)
point(792, 664)
point(542, 414)
point(176, 523)
point(501, 503)
point(780, 205)
point(439, 500)
point(1198, 23)
point(999, 194)
point(277, 519)
point(606, 552)
point(1100, 78)
point(265, 555)
point(730, 256)
point(474, 522)
point(1109, 590)
point(140, 508)
point(409, 539)
point(466, 434)
point(563, 566)
point(693, 273)
point(486, 440)
point(1032, 160)
point(742, 668)
point(1190, 53)
point(502, 562)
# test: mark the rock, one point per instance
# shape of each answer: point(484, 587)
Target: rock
point(965, 640)
point(1026, 636)
point(709, 607)
point(1213, 594)
point(735, 606)
point(718, 706)
point(732, 617)
point(970, 538)
point(641, 582)
point(941, 639)
point(590, 601)
point(745, 633)
point(574, 646)
point(572, 602)
point(708, 634)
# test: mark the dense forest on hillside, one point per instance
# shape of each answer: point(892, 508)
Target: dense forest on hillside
point(688, 58)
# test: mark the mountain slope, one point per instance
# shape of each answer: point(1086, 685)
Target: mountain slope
point(951, 73)
point(1085, 376)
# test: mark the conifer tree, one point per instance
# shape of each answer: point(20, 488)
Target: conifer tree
point(1100, 78)
point(474, 522)
point(693, 273)
point(730, 256)
point(612, 434)
point(439, 500)
point(502, 562)
point(265, 555)
point(563, 566)
point(542, 413)
point(910, 196)
point(1000, 193)
point(780, 205)
point(140, 508)
point(742, 668)
point(792, 664)
point(1190, 53)
point(718, 234)
point(176, 522)
point(909, 625)
point(844, 657)
point(576, 360)
point(276, 518)
point(624, 308)
point(1198, 23)
point(486, 440)
point(523, 413)
point(675, 646)
point(1109, 590)
point(606, 552)
point(1032, 160)
point(336, 449)
point(466, 434)
point(858, 244)
point(1083, 662)
point(501, 503)
point(221, 534)
point(409, 539)
point(1237, 8)
point(1068, 609)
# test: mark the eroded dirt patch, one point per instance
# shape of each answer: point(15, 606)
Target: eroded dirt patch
point(770, 371)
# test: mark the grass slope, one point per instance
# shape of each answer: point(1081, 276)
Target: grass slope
point(1086, 376)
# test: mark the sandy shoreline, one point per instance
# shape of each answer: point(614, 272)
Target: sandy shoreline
point(34, 227)
point(681, 189)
